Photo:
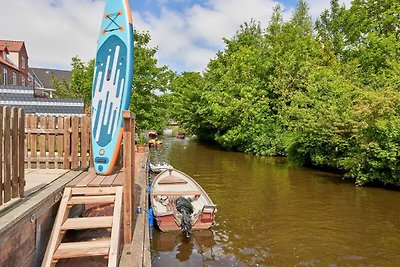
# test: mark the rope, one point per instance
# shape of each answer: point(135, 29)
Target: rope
point(108, 16)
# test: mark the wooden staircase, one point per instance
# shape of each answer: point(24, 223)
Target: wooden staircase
point(108, 248)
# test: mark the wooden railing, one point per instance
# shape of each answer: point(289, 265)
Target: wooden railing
point(57, 142)
point(12, 177)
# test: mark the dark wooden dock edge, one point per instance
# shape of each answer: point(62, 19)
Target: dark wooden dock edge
point(138, 252)
point(25, 229)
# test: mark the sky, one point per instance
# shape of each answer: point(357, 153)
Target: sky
point(187, 33)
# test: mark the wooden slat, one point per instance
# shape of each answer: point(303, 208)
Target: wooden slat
point(67, 143)
point(45, 131)
point(85, 181)
point(55, 234)
point(79, 178)
point(94, 191)
point(42, 137)
point(74, 142)
point(85, 135)
point(60, 137)
point(6, 156)
point(33, 140)
point(51, 137)
point(75, 200)
point(177, 193)
point(82, 249)
point(14, 152)
point(28, 135)
point(21, 157)
point(97, 181)
point(88, 223)
point(109, 179)
point(116, 230)
point(118, 179)
point(1, 156)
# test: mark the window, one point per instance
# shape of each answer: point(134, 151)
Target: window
point(5, 76)
point(4, 55)
point(14, 78)
point(23, 81)
point(23, 62)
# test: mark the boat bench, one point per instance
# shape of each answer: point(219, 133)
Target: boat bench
point(177, 193)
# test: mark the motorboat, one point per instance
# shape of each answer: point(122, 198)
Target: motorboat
point(179, 203)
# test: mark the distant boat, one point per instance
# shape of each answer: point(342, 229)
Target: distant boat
point(180, 203)
point(159, 167)
point(153, 138)
point(181, 135)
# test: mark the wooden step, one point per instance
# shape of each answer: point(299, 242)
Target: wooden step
point(91, 200)
point(87, 223)
point(82, 249)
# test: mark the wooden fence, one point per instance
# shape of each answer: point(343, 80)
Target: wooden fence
point(57, 142)
point(12, 134)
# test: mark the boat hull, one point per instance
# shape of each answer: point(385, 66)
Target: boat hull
point(167, 223)
point(170, 185)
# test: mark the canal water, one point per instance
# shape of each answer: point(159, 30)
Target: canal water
point(271, 213)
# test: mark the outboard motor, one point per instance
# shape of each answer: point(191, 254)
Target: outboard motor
point(184, 206)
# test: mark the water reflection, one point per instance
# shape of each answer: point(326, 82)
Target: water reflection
point(271, 213)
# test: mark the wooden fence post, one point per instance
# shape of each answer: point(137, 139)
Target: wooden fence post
point(129, 174)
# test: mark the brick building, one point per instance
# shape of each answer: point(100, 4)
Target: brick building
point(13, 63)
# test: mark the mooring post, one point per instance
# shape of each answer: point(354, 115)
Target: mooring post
point(129, 173)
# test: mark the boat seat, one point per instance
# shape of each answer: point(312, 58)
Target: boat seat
point(172, 180)
point(177, 193)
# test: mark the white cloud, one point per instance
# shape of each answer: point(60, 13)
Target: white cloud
point(53, 31)
point(188, 40)
point(56, 30)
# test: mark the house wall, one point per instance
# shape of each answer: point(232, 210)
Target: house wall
point(10, 71)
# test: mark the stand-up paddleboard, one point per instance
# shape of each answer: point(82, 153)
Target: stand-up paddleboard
point(112, 83)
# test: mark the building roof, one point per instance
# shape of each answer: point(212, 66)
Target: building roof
point(45, 76)
point(13, 46)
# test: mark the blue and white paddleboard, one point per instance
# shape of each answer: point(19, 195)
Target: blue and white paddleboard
point(112, 83)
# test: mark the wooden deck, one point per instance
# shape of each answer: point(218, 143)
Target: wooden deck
point(91, 179)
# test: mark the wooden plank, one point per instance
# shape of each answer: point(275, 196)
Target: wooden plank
point(75, 200)
point(1, 156)
point(28, 135)
point(6, 156)
point(127, 178)
point(45, 131)
point(21, 157)
point(74, 142)
point(109, 179)
point(82, 249)
point(116, 229)
point(60, 138)
point(177, 193)
point(85, 181)
point(79, 178)
point(14, 152)
point(118, 179)
point(51, 137)
point(67, 143)
point(97, 181)
point(85, 121)
point(55, 234)
point(42, 137)
point(94, 191)
point(34, 137)
point(88, 223)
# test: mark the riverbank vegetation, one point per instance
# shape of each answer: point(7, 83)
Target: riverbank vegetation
point(326, 95)
point(323, 93)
